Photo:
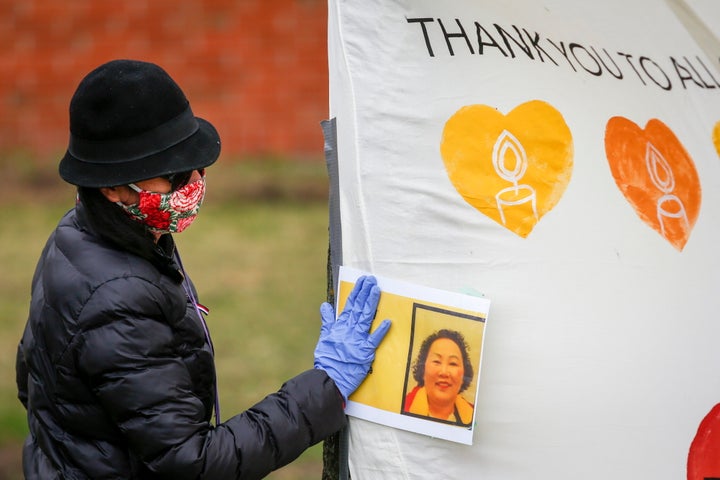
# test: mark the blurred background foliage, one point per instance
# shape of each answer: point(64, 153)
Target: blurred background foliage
point(258, 252)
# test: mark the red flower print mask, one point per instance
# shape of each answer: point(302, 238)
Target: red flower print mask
point(167, 212)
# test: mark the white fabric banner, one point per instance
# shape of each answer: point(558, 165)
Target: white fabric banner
point(562, 158)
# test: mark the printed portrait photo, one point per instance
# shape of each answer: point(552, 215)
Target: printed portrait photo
point(425, 376)
point(440, 374)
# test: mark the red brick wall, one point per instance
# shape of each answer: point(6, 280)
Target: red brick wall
point(257, 69)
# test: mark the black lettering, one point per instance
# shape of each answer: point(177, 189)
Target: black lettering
point(708, 71)
point(563, 52)
point(683, 73)
point(535, 42)
point(643, 61)
point(481, 44)
point(575, 46)
point(627, 57)
point(705, 84)
point(422, 22)
point(520, 43)
point(595, 61)
point(617, 75)
point(448, 36)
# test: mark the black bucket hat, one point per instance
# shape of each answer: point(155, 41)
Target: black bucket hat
point(129, 121)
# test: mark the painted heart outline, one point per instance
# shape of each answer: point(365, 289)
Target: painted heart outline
point(656, 175)
point(512, 168)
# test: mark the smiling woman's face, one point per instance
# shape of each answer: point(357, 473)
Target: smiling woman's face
point(443, 372)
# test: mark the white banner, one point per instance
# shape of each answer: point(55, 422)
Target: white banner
point(562, 158)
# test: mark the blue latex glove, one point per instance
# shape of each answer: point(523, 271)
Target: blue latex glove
point(346, 348)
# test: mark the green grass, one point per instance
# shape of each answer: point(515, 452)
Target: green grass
point(257, 254)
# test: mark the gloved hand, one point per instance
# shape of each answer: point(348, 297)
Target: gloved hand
point(346, 348)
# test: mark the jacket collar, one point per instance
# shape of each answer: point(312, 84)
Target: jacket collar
point(135, 241)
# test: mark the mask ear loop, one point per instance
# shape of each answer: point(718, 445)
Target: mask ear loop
point(201, 311)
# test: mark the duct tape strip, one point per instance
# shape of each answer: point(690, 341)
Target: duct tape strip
point(329, 128)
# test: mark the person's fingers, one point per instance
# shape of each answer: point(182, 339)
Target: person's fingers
point(377, 336)
point(327, 315)
point(354, 292)
point(358, 305)
point(370, 307)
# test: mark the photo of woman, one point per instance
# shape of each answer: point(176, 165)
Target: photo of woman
point(442, 371)
point(426, 376)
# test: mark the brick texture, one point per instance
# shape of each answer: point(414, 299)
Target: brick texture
point(257, 69)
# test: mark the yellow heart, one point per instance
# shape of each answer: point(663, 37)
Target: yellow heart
point(716, 137)
point(513, 168)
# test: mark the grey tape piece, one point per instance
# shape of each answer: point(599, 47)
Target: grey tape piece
point(708, 42)
point(329, 128)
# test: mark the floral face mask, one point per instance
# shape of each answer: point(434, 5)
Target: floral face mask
point(167, 212)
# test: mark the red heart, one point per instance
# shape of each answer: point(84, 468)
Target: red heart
point(704, 455)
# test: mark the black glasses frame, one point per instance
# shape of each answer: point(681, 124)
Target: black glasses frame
point(180, 179)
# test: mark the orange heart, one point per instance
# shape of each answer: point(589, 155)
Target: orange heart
point(656, 175)
point(716, 137)
point(513, 168)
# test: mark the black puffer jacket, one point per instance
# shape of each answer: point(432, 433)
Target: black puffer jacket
point(117, 377)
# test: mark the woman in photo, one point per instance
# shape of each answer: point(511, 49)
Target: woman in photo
point(442, 371)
